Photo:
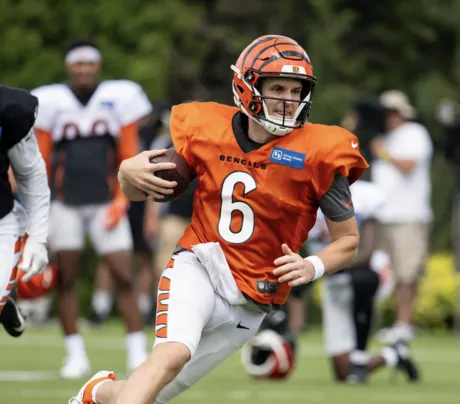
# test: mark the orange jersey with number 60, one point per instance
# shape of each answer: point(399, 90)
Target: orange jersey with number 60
point(252, 201)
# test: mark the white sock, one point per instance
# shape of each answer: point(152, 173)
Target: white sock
point(390, 356)
point(405, 330)
point(136, 347)
point(145, 304)
point(102, 302)
point(96, 387)
point(359, 357)
point(75, 346)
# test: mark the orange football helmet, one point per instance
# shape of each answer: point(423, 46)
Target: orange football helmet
point(39, 285)
point(268, 355)
point(272, 56)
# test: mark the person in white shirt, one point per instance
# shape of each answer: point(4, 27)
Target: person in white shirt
point(402, 170)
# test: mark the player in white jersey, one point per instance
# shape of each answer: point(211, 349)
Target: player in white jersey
point(85, 129)
point(348, 297)
point(19, 150)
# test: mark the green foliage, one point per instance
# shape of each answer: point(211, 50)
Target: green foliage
point(182, 49)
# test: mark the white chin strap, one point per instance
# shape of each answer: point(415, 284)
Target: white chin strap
point(272, 124)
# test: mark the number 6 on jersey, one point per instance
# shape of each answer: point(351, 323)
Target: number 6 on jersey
point(228, 206)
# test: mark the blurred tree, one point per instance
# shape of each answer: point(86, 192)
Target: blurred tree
point(183, 49)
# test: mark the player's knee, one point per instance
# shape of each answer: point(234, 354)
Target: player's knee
point(65, 282)
point(171, 356)
point(125, 284)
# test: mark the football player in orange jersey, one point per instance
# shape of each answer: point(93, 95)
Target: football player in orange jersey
point(262, 173)
point(84, 129)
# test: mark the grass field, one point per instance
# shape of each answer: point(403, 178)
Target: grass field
point(28, 373)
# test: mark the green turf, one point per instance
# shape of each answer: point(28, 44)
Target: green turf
point(28, 373)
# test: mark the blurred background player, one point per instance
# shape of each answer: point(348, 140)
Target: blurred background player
point(401, 169)
point(348, 297)
point(85, 129)
point(166, 222)
point(19, 150)
point(147, 278)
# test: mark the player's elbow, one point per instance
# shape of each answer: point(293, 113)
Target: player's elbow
point(352, 246)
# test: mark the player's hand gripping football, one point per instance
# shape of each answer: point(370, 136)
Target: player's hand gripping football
point(34, 259)
point(138, 171)
point(293, 268)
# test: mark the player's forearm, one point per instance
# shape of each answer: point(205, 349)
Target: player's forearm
point(30, 173)
point(405, 166)
point(12, 180)
point(129, 190)
point(339, 254)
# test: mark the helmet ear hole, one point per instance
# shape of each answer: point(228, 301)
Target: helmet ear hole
point(249, 75)
point(255, 106)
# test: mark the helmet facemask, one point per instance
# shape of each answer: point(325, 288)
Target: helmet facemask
point(257, 106)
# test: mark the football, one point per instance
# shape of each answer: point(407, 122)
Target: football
point(182, 174)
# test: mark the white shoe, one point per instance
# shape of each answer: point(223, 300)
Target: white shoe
point(75, 368)
point(395, 333)
point(102, 375)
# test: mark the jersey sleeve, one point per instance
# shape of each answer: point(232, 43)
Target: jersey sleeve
point(336, 203)
point(134, 105)
point(46, 109)
point(341, 156)
point(18, 110)
point(182, 125)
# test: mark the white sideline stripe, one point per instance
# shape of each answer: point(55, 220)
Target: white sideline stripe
point(27, 376)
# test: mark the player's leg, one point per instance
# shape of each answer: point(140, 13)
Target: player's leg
point(67, 240)
point(364, 283)
point(147, 281)
point(186, 303)
point(341, 338)
point(10, 314)
point(297, 308)
point(403, 246)
point(338, 329)
point(221, 339)
point(102, 299)
point(412, 248)
point(115, 247)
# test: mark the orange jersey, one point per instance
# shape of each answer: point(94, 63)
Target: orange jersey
point(252, 201)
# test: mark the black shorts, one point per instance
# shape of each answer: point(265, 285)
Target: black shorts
point(136, 221)
point(299, 292)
